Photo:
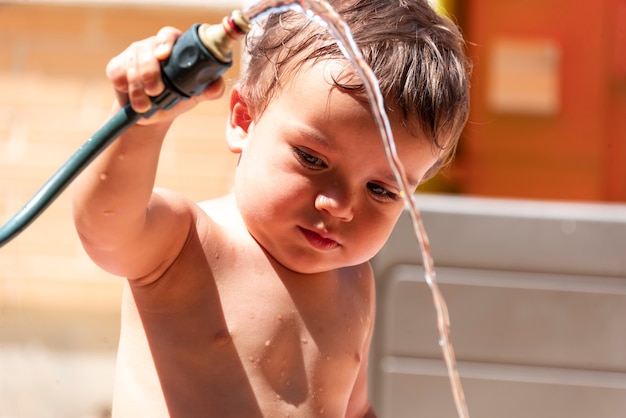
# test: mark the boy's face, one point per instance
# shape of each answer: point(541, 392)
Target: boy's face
point(313, 184)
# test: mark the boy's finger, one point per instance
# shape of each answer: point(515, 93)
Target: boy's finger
point(116, 72)
point(165, 39)
point(137, 96)
point(149, 69)
point(215, 89)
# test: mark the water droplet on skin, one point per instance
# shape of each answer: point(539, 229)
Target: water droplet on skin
point(121, 157)
point(305, 341)
point(267, 343)
point(103, 176)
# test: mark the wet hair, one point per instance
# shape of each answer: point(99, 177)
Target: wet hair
point(417, 55)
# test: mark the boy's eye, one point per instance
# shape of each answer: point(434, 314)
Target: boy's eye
point(381, 193)
point(309, 160)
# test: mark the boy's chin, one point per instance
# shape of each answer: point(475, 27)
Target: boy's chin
point(311, 267)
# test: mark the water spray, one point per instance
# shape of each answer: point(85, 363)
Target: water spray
point(199, 57)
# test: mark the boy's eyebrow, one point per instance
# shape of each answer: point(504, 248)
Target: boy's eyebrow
point(315, 135)
point(412, 182)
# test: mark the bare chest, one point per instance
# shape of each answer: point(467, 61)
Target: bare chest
point(243, 340)
point(293, 331)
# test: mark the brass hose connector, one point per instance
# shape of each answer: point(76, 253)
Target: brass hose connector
point(219, 38)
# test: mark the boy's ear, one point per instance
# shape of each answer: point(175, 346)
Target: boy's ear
point(239, 121)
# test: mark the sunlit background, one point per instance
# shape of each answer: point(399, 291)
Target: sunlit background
point(548, 124)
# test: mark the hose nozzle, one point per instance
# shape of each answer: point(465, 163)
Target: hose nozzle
point(219, 39)
point(199, 57)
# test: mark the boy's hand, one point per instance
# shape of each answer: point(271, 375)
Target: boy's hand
point(136, 75)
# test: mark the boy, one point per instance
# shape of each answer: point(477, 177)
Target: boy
point(261, 303)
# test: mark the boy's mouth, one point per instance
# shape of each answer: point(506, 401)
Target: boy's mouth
point(318, 241)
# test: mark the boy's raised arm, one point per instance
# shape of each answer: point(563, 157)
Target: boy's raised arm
point(125, 227)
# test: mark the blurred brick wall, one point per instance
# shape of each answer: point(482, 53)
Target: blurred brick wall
point(53, 96)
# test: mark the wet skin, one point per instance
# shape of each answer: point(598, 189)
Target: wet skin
point(265, 306)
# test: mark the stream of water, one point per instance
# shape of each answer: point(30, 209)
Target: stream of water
point(321, 12)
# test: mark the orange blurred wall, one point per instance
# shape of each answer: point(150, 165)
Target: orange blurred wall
point(548, 117)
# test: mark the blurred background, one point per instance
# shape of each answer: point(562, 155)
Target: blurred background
point(548, 124)
point(548, 114)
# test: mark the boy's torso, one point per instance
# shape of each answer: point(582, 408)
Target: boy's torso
point(227, 332)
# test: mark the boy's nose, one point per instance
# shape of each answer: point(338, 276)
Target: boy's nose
point(338, 206)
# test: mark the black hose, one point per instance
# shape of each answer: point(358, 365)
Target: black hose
point(111, 130)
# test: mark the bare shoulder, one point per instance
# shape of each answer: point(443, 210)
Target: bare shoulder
point(222, 211)
point(358, 294)
point(360, 278)
point(206, 220)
